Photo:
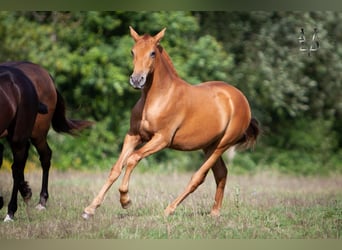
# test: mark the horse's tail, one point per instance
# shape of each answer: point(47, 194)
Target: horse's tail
point(61, 124)
point(251, 135)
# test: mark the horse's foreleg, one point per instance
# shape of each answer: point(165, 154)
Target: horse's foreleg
point(20, 154)
point(220, 174)
point(1, 153)
point(157, 143)
point(45, 155)
point(196, 180)
point(1, 201)
point(130, 143)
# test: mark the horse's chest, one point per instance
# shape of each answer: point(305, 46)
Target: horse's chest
point(154, 117)
point(145, 130)
point(150, 124)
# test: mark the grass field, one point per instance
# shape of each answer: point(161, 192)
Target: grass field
point(263, 206)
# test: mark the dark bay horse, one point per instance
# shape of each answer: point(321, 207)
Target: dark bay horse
point(171, 113)
point(48, 95)
point(19, 108)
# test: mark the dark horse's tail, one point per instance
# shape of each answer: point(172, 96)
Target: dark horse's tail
point(61, 124)
point(251, 135)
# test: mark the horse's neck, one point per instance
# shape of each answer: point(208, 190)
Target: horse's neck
point(168, 62)
point(164, 85)
point(165, 76)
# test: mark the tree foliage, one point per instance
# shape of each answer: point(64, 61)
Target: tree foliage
point(297, 97)
point(282, 83)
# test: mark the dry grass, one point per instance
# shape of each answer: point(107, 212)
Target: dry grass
point(265, 205)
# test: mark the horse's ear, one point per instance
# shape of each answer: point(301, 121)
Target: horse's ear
point(160, 35)
point(134, 34)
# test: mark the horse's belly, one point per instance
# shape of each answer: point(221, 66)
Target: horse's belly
point(197, 136)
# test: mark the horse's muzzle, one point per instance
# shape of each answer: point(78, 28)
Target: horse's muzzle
point(137, 81)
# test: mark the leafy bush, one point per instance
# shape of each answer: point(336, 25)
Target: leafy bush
point(94, 148)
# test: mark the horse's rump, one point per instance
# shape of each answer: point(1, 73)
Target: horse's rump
point(22, 100)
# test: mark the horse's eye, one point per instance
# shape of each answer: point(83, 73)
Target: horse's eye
point(153, 54)
point(132, 53)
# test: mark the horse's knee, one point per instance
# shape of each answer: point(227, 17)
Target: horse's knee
point(133, 160)
point(113, 175)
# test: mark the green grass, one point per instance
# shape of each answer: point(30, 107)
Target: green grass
point(265, 205)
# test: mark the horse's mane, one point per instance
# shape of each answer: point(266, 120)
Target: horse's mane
point(167, 58)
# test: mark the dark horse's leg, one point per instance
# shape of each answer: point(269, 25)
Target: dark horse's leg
point(45, 154)
point(20, 154)
point(1, 202)
point(1, 152)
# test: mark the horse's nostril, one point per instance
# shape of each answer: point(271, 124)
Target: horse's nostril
point(137, 79)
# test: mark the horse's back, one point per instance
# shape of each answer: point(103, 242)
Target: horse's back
point(41, 79)
point(222, 88)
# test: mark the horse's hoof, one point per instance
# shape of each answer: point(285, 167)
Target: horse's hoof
point(168, 211)
point(126, 204)
point(86, 216)
point(40, 207)
point(8, 218)
point(215, 213)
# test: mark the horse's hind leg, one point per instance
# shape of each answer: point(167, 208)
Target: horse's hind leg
point(196, 180)
point(45, 155)
point(220, 174)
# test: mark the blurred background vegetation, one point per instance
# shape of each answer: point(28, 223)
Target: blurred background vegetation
point(296, 97)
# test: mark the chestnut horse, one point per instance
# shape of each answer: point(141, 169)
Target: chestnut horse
point(48, 95)
point(171, 113)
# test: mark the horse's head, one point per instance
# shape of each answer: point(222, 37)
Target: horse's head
point(144, 53)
